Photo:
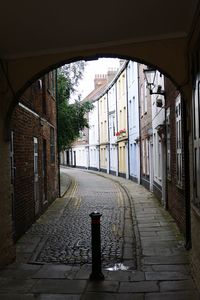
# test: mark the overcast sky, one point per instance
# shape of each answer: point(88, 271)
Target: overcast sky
point(93, 67)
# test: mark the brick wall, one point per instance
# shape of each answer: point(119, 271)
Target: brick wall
point(7, 250)
point(25, 126)
point(175, 193)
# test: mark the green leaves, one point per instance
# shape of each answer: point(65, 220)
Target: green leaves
point(71, 117)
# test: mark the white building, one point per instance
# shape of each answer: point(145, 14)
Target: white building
point(158, 123)
point(93, 120)
point(112, 121)
point(79, 152)
point(133, 121)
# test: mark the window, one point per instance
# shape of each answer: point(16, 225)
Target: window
point(142, 100)
point(143, 158)
point(44, 104)
point(51, 82)
point(35, 141)
point(196, 142)
point(147, 157)
point(145, 96)
point(12, 157)
point(105, 105)
point(120, 119)
point(113, 121)
point(40, 83)
point(52, 145)
point(112, 125)
point(168, 144)
point(178, 142)
point(124, 117)
point(101, 132)
point(159, 158)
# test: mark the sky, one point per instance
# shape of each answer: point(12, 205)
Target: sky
point(93, 67)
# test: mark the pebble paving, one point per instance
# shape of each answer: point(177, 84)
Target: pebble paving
point(67, 238)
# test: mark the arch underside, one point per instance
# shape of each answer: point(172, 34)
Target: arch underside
point(168, 56)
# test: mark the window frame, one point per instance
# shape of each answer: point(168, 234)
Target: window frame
point(179, 141)
point(168, 142)
point(52, 144)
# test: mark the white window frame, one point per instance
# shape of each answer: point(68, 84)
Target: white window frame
point(147, 157)
point(168, 143)
point(142, 100)
point(196, 142)
point(143, 158)
point(145, 96)
point(179, 142)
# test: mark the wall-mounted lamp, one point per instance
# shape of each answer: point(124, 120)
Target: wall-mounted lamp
point(150, 75)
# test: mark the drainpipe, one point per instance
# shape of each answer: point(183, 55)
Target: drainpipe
point(58, 154)
point(108, 136)
point(188, 241)
point(165, 157)
point(139, 124)
point(127, 116)
point(98, 132)
point(117, 171)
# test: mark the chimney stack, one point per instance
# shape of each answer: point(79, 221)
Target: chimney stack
point(99, 80)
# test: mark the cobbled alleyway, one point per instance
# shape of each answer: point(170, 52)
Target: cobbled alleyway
point(67, 239)
point(143, 254)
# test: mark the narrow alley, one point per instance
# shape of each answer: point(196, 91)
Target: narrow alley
point(143, 254)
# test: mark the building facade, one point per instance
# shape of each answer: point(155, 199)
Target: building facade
point(133, 121)
point(112, 119)
point(139, 134)
point(122, 133)
point(175, 164)
point(33, 154)
point(103, 133)
point(158, 128)
point(94, 137)
point(145, 117)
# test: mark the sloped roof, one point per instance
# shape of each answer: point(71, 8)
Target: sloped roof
point(95, 93)
point(98, 92)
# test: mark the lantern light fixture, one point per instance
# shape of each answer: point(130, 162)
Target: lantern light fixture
point(150, 75)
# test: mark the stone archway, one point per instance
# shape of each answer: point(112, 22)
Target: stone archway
point(168, 56)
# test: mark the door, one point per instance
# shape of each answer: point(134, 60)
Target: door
point(36, 177)
point(44, 171)
point(74, 158)
point(151, 164)
point(12, 170)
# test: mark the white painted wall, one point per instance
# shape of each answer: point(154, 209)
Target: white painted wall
point(81, 156)
point(94, 157)
point(112, 128)
point(93, 125)
point(94, 137)
point(158, 118)
point(133, 119)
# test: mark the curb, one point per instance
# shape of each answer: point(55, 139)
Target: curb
point(133, 215)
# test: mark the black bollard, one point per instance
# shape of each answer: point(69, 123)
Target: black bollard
point(96, 247)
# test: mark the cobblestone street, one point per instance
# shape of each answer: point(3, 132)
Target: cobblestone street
point(142, 250)
point(67, 239)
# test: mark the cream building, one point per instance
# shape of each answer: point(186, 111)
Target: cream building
point(122, 133)
point(94, 158)
point(112, 112)
point(103, 133)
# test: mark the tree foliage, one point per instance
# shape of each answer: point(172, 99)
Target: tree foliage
point(71, 117)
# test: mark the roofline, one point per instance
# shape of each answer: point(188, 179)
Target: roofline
point(109, 86)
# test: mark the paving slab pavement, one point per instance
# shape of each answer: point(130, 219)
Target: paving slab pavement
point(163, 270)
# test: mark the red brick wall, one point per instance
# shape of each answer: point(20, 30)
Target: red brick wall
point(26, 126)
point(176, 195)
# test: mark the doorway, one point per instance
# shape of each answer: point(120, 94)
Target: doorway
point(36, 177)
